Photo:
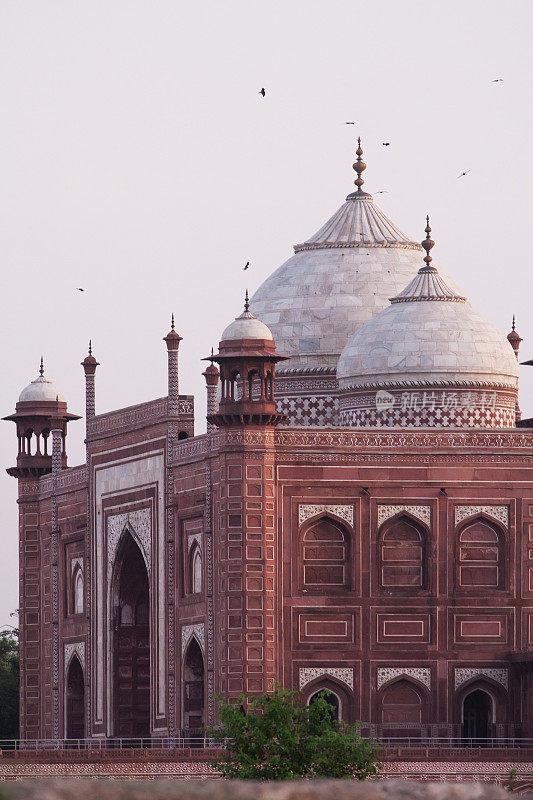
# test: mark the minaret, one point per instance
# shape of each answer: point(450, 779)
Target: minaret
point(514, 340)
point(211, 376)
point(89, 365)
point(173, 340)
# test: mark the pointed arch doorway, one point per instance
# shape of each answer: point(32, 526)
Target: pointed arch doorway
point(193, 688)
point(75, 701)
point(131, 643)
point(477, 716)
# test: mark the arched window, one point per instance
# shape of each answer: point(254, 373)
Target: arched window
point(193, 687)
point(403, 702)
point(480, 562)
point(402, 557)
point(333, 701)
point(196, 570)
point(325, 556)
point(183, 435)
point(78, 590)
point(477, 715)
point(75, 701)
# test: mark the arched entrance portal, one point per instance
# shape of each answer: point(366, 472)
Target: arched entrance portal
point(75, 705)
point(477, 716)
point(131, 647)
point(193, 687)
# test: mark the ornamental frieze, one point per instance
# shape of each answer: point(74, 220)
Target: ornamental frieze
point(421, 674)
point(308, 510)
point(187, 633)
point(499, 513)
point(139, 524)
point(385, 512)
point(308, 674)
point(70, 649)
point(464, 674)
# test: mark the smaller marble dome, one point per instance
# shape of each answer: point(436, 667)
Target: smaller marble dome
point(428, 359)
point(41, 390)
point(246, 326)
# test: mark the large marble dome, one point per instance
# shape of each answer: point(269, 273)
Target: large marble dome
point(429, 359)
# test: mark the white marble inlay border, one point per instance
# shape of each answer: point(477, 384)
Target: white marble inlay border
point(70, 649)
point(499, 513)
point(139, 523)
point(74, 562)
point(421, 674)
point(308, 510)
point(194, 537)
point(308, 674)
point(385, 512)
point(188, 631)
point(500, 675)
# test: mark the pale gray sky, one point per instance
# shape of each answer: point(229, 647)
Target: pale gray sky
point(137, 160)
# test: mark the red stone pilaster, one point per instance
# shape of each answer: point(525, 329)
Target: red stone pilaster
point(30, 612)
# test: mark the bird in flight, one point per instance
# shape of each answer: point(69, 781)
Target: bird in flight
point(497, 80)
point(80, 290)
point(464, 173)
point(385, 144)
point(349, 123)
point(262, 92)
point(246, 265)
point(382, 191)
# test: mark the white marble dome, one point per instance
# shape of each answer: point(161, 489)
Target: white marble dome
point(335, 281)
point(246, 326)
point(41, 390)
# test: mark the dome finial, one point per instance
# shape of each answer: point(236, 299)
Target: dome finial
point(90, 347)
point(41, 368)
point(359, 166)
point(172, 322)
point(246, 302)
point(428, 243)
point(513, 323)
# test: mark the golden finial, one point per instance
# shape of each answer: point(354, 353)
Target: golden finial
point(41, 368)
point(246, 302)
point(428, 243)
point(359, 166)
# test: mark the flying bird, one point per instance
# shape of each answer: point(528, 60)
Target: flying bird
point(382, 191)
point(262, 92)
point(497, 80)
point(385, 144)
point(349, 123)
point(464, 173)
point(246, 265)
point(80, 290)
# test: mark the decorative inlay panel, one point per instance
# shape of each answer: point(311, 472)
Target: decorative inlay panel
point(188, 631)
point(70, 649)
point(385, 512)
point(464, 674)
point(499, 513)
point(194, 537)
point(421, 674)
point(139, 523)
point(308, 674)
point(305, 512)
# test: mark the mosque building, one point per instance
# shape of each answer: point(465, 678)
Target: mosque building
point(358, 516)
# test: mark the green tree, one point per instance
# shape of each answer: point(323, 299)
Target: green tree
point(9, 683)
point(276, 737)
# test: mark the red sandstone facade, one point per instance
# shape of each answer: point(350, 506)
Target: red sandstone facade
point(392, 567)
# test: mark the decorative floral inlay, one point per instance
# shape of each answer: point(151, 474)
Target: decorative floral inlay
point(312, 510)
point(70, 649)
point(423, 513)
point(422, 674)
point(308, 674)
point(463, 674)
point(188, 631)
point(139, 523)
point(499, 513)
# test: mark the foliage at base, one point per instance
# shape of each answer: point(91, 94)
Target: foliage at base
point(276, 737)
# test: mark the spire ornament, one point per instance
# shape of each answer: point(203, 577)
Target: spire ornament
point(428, 244)
point(359, 167)
point(172, 322)
point(90, 347)
point(246, 302)
point(41, 368)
